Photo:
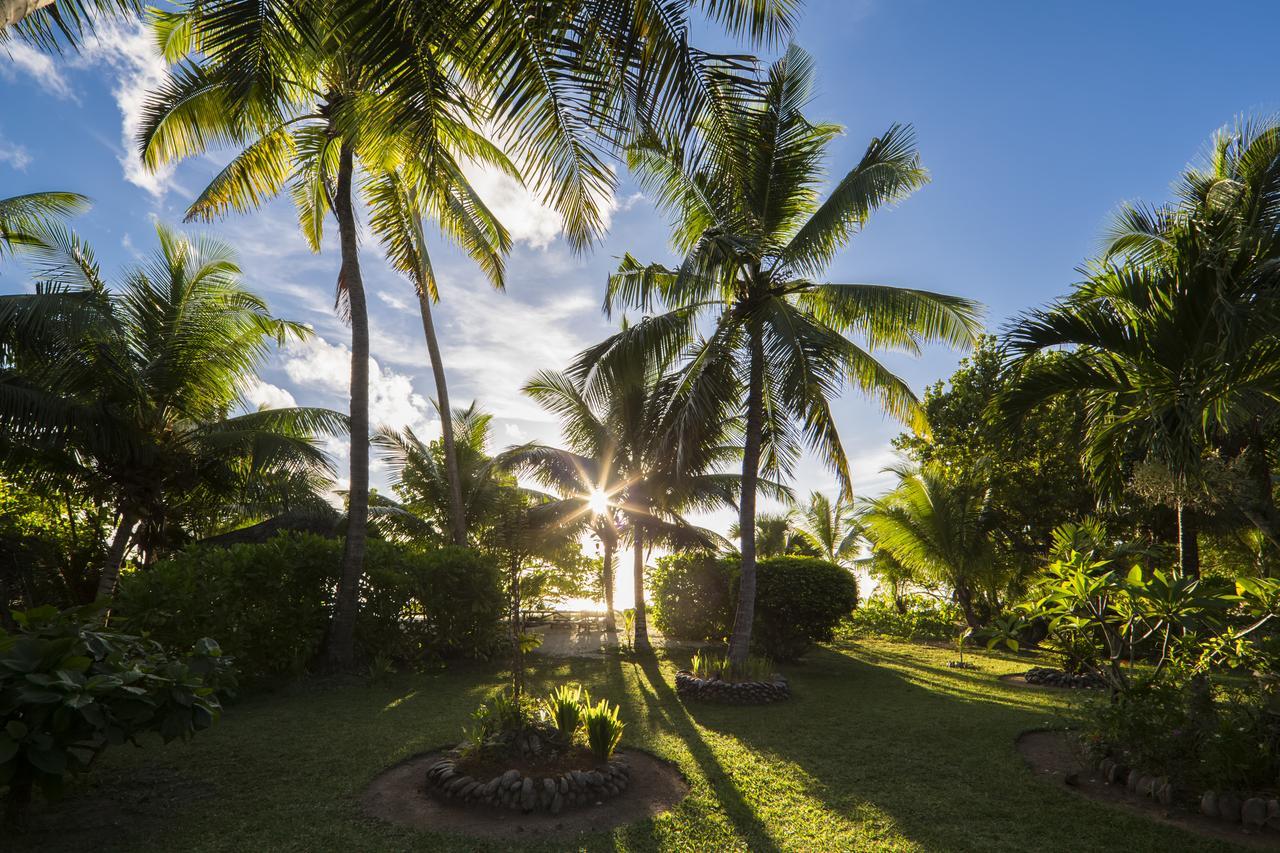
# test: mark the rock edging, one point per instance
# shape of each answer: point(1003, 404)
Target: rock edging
point(1046, 677)
point(514, 791)
point(690, 686)
point(1254, 812)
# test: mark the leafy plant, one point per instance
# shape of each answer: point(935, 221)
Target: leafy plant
point(707, 665)
point(69, 689)
point(565, 708)
point(603, 724)
point(910, 617)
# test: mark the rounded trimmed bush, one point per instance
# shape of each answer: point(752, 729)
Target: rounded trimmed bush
point(799, 600)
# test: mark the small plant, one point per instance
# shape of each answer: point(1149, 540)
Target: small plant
point(381, 668)
point(708, 666)
point(603, 723)
point(628, 628)
point(565, 706)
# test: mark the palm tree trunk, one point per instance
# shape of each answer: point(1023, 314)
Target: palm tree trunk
point(740, 640)
point(340, 645)
point(115, 555)
point(457, 512)
point(606, 577)
point(1188, 544)
point(12, 12)
point(641, 642)
point(964, 597)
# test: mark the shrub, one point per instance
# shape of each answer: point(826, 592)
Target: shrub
point(69, 689)
point(799, 602)
point(271, 601)
point(693, 596)
point(603, 723)
point(920, 618)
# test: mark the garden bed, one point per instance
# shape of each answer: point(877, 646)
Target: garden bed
point(526, 789)
point(1057, 755)
point(690, 686)
point(401, 795)
point(1048, 683)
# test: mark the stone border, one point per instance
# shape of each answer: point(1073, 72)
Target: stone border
point(1043, 676)
point(1228, 807)
point(514, 791)
point(689, 686)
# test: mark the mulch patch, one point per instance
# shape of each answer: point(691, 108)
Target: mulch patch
point(1055, 757)
point(398, 795)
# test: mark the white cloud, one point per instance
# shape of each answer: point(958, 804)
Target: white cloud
point(315, 363)
point(514, 432)
point(263, 395)
point(37, 65)
point(131, 54)
point(15, 155)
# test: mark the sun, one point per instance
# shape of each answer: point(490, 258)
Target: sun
point(598, 502)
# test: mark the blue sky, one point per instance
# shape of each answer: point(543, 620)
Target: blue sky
point(1035, 120)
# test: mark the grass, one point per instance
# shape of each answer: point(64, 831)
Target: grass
point(883, 747)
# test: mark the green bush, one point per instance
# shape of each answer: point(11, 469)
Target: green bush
point(269, 602)
point(69, 689)
point(799, 600)
point(693, 596)
point(603, 725)
point(919, 618)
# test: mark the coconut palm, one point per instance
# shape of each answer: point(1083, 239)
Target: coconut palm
point(628, 466)
point(130, 393)
point(23, 218)
point(311, 91)
point(937, 524)
point(755, 239)
point(831, 527)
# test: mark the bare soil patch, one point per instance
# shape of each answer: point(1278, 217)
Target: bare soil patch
point(398, 795)
point(1018, 680)
point(1054, 756)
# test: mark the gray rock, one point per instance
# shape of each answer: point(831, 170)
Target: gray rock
point(469, 789)
point(1273, 814)
point(1229, 808)
point(1253, 813)
point(1132, 782)
point(528, 797)
point(492, 785)
point(509, 777)
point(562, 785)
point(1165, 794)
point(1144, 785)
point(595, 778)
point(1209, 804)
point(456, 785)
point(557, 803)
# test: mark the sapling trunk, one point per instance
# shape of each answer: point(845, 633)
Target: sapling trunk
point(740, 640)
point(641, 641)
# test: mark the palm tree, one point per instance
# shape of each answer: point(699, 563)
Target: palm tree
point(937, 524)
point(1168, 357)
point(309, 90)
point(465, 220)
point(424, 484)
point(23, 218)
point(627, 460)
point(831, 527)
point(755, 240)
point(131, 393)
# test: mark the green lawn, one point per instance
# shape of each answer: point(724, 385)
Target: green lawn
point(883, 747)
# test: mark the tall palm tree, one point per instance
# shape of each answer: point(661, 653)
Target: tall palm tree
point(755, 239)
point(831, 527)
point(937, 524)
point(52, 23)
point(467, 222)
point(309, 90)
point(626, 459)
point(131, 393)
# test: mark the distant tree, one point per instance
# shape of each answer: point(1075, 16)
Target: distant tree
point(830, 527)
point(1035, 462)
point(937, 523)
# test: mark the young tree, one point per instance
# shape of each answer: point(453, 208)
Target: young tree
point(755, 241)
